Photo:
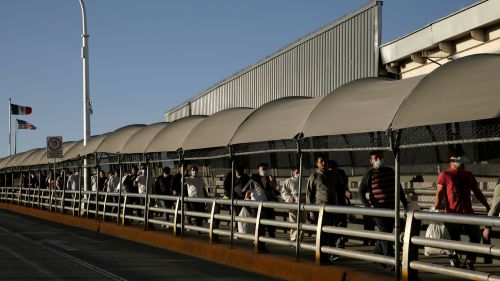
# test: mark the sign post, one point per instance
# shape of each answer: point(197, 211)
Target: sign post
point(54, 150)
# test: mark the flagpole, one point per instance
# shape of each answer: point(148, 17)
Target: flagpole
point(15, 139)
point(10, 127)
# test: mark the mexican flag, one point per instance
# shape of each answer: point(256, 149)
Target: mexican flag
point(20, 110)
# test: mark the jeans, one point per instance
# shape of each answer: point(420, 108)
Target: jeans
point(472, 231)
point(384, 247)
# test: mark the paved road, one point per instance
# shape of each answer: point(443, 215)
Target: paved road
point(33, 249)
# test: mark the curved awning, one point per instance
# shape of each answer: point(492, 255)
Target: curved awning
point(172, 136)
point(466, 89)
point(67, 146)
point(4, 161)
point(364, 105)
point(115, 141)
point(79, 150)
point(140, 140)
point(20, 159)
point(280, 119)
point(217, 129)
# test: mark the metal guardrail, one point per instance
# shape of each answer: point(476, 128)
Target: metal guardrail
point(123, 207)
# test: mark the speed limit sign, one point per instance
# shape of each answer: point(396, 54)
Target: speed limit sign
point(54, 147)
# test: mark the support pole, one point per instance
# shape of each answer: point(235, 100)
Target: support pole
point(181, 163)
point(146, 198)
point(97, 168)
point(394, 139)
point(231, 237)
point(79, 187)
point(298, 140)
point(120, 189)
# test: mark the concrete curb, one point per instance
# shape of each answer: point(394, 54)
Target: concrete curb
point(282, 267)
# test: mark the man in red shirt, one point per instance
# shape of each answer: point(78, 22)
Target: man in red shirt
point(455, 184)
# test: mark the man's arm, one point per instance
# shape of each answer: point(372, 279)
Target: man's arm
point(480, 196)
point(439, 196)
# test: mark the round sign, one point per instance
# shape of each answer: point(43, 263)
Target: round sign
point(54, 143)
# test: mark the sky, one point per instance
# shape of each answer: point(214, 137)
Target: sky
point(149, 56)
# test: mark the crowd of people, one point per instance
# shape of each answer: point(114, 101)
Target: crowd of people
point(327, 185)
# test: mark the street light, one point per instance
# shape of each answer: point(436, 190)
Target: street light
point(86, 99)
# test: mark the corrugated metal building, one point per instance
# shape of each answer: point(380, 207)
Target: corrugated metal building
point(336, 54)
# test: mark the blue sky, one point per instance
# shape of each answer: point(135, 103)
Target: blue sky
point(148, 56)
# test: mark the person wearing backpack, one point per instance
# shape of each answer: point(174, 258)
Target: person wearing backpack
point(455, 184)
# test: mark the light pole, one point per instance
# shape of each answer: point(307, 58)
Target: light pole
point(86, 99)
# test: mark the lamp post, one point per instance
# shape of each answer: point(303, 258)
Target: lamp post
point(86, 99)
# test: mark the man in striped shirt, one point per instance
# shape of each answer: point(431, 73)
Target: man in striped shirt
point(378, 183)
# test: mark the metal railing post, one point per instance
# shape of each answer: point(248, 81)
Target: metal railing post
point(176, 215)
point(410, 251)
point(104, 207)
point(317, 255)
point(124, 209)
point(257, 226)
point(212, 222)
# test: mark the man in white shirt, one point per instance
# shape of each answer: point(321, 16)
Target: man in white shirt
point(73, 182)
point(196, 189)
point(112, 186)
point(290, 194)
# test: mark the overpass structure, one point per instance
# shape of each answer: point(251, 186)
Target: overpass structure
point(416, 119)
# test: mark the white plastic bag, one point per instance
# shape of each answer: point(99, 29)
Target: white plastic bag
point(244, 227)
point(437, 230)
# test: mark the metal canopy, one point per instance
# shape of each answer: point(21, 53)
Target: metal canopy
point(78, 149)
point(217, 130)
point(4, 161)
point(67, 146)
point(462, 90)
point(172, 136)
point(281, 119)
point(20, 159)
point(115, 141)
point(140, 140)
point(364, 105)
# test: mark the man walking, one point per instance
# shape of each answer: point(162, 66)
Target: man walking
point(378, 184)
point(455, 184)
point(322, 189)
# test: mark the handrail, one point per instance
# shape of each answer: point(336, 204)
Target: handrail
point(108, 203)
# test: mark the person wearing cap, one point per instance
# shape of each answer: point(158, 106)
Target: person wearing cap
point(455, 184)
